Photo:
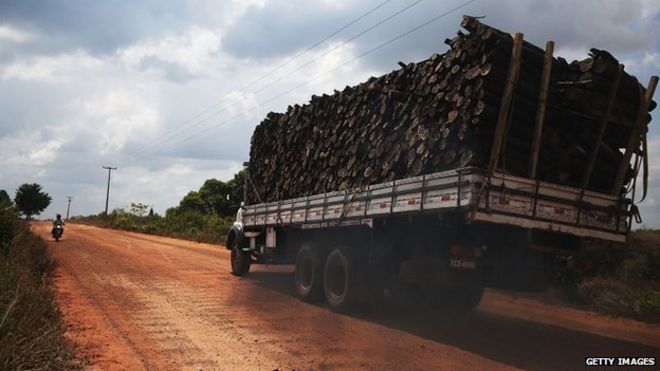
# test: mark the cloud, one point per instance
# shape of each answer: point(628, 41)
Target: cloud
point(55, 69)
point(116, 117)
point(13, 35)
point(178, 57)
point(161, 88)
point(28, 149)
point(99, 27)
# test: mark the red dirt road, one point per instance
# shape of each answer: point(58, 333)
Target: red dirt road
point(140, 302)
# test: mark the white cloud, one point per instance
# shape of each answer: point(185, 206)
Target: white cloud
point(191, 51)
point(113, 117)
point(13, 35)
point(651, 59)
point(57, 69)
point(29, 149)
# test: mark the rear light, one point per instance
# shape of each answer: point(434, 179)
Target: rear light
point(464, 251)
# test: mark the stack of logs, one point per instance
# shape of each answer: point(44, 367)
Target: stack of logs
point(441, 114)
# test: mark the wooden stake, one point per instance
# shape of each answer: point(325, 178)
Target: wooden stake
point(603, 125)
point(633, 140)
point(507, 95)
point(540, 113)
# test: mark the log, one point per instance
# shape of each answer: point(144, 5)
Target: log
point(442, 112)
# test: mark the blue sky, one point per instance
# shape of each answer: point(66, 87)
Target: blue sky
point(166, 90)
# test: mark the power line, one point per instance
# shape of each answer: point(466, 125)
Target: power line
point(278, 67)
point(362, 55)
point(288, 61)
point(340, 46)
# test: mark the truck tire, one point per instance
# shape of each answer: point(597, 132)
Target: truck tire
point(240, 260)
point(340, 280)
point(308, 276)
point(462, 299)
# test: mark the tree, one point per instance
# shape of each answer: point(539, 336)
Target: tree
point(214, 194)
point(236, 187)
point(138, 209)
point(5, 201)
point(30, 200)
point(192, 201)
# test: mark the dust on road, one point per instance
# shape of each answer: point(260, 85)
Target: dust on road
point(132, 301)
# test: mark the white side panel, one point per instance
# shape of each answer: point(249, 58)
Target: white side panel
point(508, 200)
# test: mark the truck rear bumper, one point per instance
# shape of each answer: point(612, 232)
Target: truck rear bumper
point(436, 272)
point(526, 222)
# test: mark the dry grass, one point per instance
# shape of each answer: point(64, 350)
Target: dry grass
point(30, 331)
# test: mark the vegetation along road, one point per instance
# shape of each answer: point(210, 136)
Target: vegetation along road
point(133, 301)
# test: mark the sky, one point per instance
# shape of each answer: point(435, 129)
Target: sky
point(169, 92)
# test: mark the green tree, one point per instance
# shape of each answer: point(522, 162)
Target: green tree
point(236, 189)
point(31, 200)
point(138, 209)
point(214, 193)
point(5, 201)
point(193, 202)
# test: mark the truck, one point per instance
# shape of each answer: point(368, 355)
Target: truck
point(444, 235)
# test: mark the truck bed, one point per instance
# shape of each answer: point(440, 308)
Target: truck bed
point(501, 199)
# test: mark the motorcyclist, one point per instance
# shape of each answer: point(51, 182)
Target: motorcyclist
point(58, 222)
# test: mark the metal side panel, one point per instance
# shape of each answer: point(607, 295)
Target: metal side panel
point(549, 226)
point(562, 211)
point(379, 206)
point(552, 190)
point(507, 199)
point(356, 209)
point(407, 202)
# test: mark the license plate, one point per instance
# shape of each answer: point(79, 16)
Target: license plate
point(462, 264)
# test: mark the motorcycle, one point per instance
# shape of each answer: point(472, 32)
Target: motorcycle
point(57, 232)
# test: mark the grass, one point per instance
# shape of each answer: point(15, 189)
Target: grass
point(31, 336)
point(188, 225)
point(618, 280)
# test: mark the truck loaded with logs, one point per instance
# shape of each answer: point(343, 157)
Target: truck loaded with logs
point(469, 169)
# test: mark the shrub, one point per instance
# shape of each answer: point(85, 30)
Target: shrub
point(620, 280)
point(179, 223)
point(30, 331)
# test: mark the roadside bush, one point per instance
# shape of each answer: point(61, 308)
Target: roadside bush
point(619, 297)
point(30, 331)
point(178, 223)
point(617, 279)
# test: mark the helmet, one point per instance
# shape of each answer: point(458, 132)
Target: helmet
point(59, 216)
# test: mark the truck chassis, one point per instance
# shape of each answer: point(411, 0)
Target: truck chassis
point(449, 233)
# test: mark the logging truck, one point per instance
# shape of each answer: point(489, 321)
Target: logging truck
point(444, 235)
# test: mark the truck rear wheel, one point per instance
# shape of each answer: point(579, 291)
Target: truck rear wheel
point(240, 260)
point(339, 280)
point(462, 299)
point(308, 275)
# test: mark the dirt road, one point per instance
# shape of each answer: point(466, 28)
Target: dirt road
point(135, 302)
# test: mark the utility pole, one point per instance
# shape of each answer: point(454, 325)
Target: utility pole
point(107, 193)
point(68, 207)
